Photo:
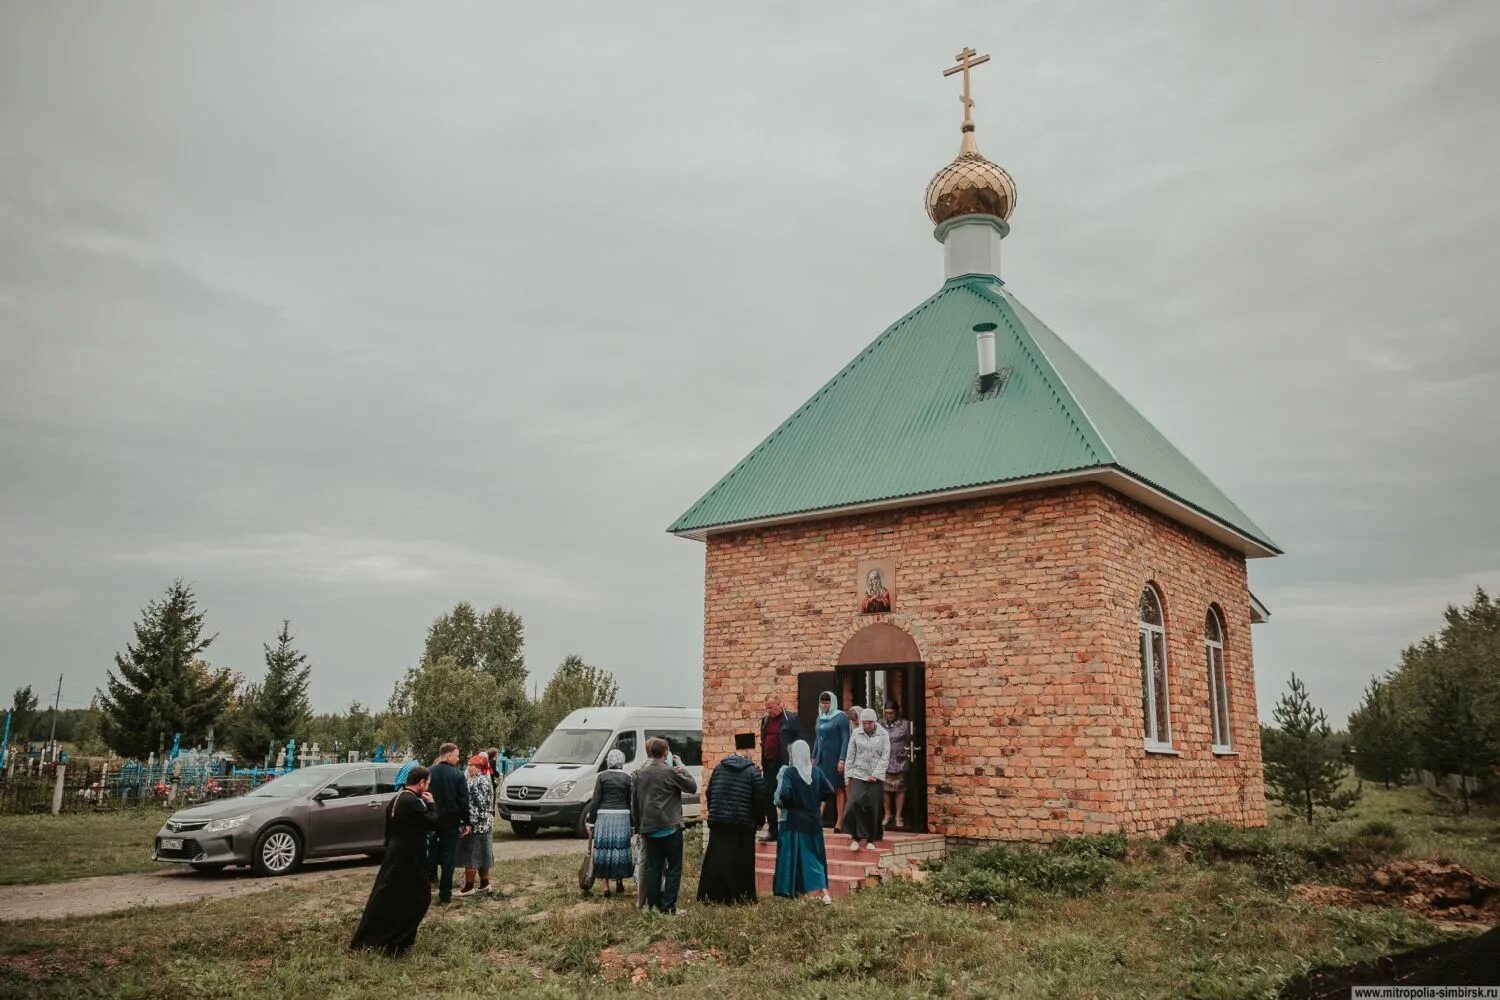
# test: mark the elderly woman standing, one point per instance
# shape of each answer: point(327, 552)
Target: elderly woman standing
point(864, 768)
point(899, 732)
point(831, 744)
point(610, 823)
point(801, 858)
point(476, 851)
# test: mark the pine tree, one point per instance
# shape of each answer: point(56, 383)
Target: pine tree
point(282, 704)
point(276, 708)
point(162, 686)
point(1454, 736)
point(1303, 766)
point(1381, 734)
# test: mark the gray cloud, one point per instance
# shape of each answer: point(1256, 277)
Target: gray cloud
point(348, 312)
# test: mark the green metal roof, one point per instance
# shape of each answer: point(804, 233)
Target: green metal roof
point(902, 421)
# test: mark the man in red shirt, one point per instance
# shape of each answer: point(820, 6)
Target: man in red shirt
point(779, 729)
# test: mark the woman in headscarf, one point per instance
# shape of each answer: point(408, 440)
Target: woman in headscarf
point(898, 730)
point(610, 823)
point(801, 860)
point(476, 851)
point(735, 801)
point(864, 768)
point(402, 892)
point(829, 747)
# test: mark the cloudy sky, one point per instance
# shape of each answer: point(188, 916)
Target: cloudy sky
point(346, 312)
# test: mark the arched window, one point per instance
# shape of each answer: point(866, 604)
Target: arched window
point(1153, 636)
point(1218, 683)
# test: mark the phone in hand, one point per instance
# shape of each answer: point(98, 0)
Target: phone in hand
point(676, 761)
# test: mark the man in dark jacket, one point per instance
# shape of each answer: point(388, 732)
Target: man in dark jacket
point(779, 729)
point(736, 805)
point(450, 796)
point(657, 810)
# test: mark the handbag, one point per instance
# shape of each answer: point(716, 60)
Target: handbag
point(586, 870)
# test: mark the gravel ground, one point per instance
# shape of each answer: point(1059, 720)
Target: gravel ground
point(173, 885)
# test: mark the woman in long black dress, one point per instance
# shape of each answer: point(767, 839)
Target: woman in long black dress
point(402, 891)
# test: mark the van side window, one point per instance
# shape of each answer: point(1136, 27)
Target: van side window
point(685, 743)
point(625, 743)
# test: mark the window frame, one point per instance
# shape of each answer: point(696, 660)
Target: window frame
point(369, 789)
point(685, 743)
point(1146, 632)
point(1221, 729)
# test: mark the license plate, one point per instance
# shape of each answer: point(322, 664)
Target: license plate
point(171, 844)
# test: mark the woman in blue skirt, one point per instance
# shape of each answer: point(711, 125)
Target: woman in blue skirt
point(830, 747)
point(610, 822)
point(801, 862)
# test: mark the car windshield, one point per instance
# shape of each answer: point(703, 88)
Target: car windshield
point(571, 746)
point(290, 785)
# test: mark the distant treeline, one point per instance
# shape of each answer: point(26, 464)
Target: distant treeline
point(1439, 709)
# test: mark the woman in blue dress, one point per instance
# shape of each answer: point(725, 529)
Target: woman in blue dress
point(830, 746)
point(801, 861)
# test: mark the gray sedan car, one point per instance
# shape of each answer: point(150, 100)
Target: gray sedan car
point(322, 811)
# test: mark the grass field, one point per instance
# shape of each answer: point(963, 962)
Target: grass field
point(37, 849)
point(1160, 926)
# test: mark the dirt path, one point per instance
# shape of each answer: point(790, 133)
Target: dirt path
point(170, 886)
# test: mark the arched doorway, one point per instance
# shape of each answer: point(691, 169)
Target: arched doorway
point(879, 665)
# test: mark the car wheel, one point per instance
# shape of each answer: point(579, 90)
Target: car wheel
point(278, 851)
point(581, 828)
point(523, 829)
point(207, 867)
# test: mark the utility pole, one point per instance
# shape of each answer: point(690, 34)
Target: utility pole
point(55, 702)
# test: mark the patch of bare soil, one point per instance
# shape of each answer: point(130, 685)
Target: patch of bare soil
point(1432, 889)
point(638, 967)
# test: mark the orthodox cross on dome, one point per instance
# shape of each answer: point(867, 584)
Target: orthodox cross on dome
point(966, 61)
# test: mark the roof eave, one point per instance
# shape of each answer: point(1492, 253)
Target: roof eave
point(1117, 479)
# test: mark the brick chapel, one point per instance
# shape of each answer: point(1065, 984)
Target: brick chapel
point(970, 523)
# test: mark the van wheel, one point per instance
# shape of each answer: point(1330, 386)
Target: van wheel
point(523, 829)
point(581, 828)
point(278, 851)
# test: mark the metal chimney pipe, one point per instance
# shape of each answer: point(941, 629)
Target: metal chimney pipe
point(984, 335)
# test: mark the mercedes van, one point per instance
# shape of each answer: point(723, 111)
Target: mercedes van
point(554, 787)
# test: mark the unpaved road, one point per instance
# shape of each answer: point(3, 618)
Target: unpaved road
point(169, 886)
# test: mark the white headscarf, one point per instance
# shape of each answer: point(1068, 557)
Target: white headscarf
point(802, 760)
point(615, 758)
point(833, 705)
point(867, 715)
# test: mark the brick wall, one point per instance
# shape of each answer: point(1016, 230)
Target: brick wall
point(1023, 608)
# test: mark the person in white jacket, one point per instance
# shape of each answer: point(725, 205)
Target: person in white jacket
point(864, 771)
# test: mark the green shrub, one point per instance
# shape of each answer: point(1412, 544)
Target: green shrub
point(975, 885)
point(1099, 845)
point(1006, 874)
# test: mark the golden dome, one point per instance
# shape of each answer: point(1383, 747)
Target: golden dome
point(970, 185)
